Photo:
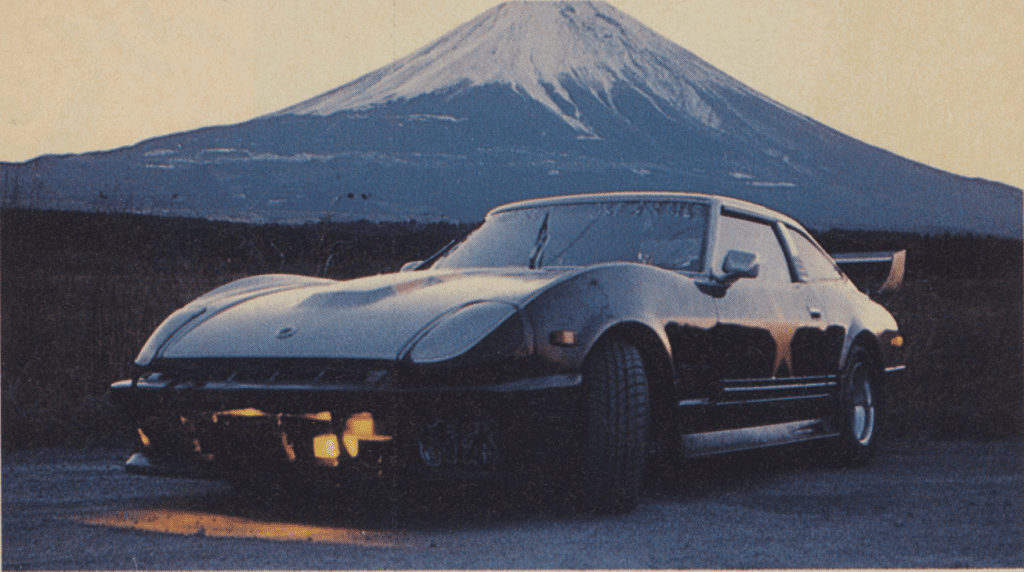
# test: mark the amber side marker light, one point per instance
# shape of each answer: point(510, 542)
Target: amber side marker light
point(144, 438)
point(563, 338)
point(360, 427)
point(896, 342)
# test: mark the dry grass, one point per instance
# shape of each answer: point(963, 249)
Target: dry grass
point(964, 357)
point(67, 337)
point(81, 292)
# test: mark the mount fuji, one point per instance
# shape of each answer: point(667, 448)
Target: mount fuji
point(528, 99)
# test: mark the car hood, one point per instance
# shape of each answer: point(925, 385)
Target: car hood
point(367, 318)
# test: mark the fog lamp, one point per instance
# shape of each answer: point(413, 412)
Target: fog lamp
point(325, 448)
point(360, 427)
point(247, 412)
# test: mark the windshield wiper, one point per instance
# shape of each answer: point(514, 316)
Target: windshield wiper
point(558, 257)
point(538, 249)
point(446, 250)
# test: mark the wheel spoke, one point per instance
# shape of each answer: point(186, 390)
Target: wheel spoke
point(859, 422)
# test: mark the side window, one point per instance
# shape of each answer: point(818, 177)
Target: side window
point(759, 238)
point(810, 262)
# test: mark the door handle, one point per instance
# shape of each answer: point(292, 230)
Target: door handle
point(815, 313)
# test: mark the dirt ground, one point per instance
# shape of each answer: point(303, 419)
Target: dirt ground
point(917, 505)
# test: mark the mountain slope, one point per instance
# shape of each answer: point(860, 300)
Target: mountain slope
point(526, 100)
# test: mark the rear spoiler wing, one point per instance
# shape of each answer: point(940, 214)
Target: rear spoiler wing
point(866, 268)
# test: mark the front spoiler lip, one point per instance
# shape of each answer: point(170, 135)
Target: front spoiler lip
point(142, 465)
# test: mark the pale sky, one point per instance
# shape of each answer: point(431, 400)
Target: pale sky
point(940, 82)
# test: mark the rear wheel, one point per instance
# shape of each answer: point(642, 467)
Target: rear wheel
point(617, 409)
point(857, 415)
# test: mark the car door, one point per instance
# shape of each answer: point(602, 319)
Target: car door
point(762, 321)
point(816, 350)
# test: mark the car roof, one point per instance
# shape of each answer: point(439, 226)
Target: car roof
point(730, 203)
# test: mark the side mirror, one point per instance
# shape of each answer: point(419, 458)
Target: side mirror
point(739, 264)
point(410, 266)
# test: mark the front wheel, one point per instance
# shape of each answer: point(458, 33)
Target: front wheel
point(617, 410)
point(857, 414)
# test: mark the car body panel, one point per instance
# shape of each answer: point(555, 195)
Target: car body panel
point(367, 318)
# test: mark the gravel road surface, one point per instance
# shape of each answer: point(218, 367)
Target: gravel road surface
point(922, 505)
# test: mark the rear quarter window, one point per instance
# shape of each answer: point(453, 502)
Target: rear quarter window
point(810, 262)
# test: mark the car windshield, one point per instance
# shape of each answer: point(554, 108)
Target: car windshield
point(668, 234)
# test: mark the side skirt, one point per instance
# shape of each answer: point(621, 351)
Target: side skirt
point(732, 440)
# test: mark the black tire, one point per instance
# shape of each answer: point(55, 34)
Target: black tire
point(857, 417)
point(617, 409)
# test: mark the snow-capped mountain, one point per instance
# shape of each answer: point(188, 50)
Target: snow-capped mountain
point(532, 48)
point(526, 100)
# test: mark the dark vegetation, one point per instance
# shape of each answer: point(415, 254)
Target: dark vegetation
point(960, 310)
point(81, 292)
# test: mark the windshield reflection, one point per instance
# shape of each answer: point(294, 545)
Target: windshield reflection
point(668, 234)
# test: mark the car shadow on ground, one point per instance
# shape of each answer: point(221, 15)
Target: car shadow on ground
point(424, 507)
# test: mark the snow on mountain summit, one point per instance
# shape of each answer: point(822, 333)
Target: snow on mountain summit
point(536, 48)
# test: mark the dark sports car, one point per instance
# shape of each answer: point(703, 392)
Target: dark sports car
point(590, 332)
